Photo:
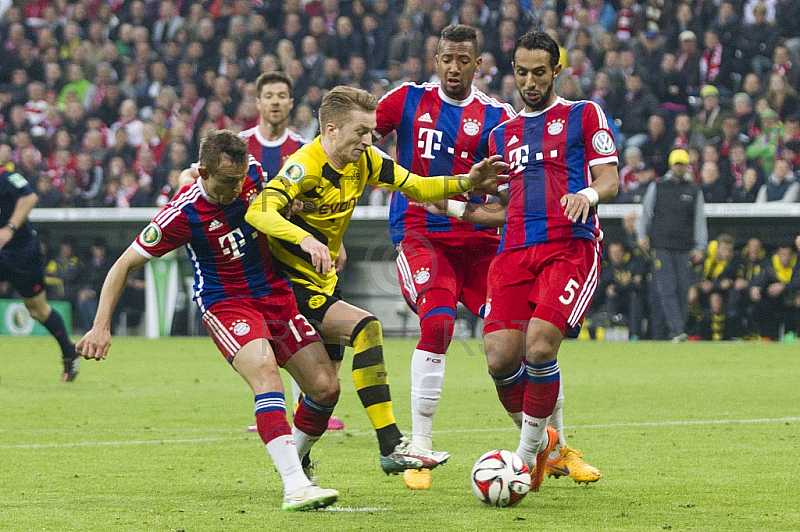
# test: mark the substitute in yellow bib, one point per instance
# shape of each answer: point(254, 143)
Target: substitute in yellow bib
point(328, 176)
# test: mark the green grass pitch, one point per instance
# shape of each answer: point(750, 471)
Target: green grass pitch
point(689, 437)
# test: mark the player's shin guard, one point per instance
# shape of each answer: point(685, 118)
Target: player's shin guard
point(277, 436)
point(511, 391)
point(541, 393)
point(310, 422)
point(55, 326)
point(372, 382)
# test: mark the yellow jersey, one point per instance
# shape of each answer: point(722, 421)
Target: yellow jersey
point(329, 197)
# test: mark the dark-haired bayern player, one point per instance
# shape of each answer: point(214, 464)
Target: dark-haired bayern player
point(247, 308)
point(22, 263)
point(563, 162)
point(442, 128)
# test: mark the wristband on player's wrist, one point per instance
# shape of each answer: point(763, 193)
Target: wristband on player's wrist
point(12, 226)
point(590, 194)
point(456, 208)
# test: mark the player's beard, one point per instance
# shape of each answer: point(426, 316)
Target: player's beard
point(543, 102)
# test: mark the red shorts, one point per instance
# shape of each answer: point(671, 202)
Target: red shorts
point(459, 267)
point(236, 322)
point(554, 282)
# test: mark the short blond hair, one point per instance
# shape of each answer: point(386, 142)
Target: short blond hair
point(340, 101)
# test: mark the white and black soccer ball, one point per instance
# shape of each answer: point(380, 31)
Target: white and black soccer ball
point(500, 478)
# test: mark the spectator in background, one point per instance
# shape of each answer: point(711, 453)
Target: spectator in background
point(305, 122)
point(715, 189)
point(781, 186)
point(657, 147)
point(684, 136)
point(673, 225)
point(62, 274)
point(736, 279)
point(705, 310)
point(94, 273)
point(728, 137)
point(774, 294)
point(616, 284)
point(736, 164)
point(764, 147)
point(782, 97)
point(671, 86)
point(639, 104)
point(688, 60)
point(758, 40)
point(782, 65)
point(745, 115)
point(708, 120)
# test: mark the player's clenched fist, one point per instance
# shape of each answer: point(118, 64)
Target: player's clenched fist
point(94, 344)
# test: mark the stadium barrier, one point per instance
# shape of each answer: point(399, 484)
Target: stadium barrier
point(369, 279)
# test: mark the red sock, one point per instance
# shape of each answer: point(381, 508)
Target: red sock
point(271, 416)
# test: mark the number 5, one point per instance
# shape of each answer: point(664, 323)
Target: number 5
point(569, 290)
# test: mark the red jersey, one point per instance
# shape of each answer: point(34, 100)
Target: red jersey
point(437, 135)
point(551, 153)
point(272, 153)
point(230, 258)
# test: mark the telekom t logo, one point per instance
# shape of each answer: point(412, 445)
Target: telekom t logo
point(429, 140)
point(519, 158)
point(232, 244)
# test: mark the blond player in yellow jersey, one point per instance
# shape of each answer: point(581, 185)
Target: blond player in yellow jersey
point(328, 176)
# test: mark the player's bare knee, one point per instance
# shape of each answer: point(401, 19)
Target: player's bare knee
point(542, 349)
point(325, 389)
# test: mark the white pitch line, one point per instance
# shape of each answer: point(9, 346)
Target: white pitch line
point(351, 433)
point(349, 509)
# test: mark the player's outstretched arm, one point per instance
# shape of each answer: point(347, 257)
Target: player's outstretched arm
point(604, 188)
point(490, 214)
point(482, 175)
point(95, 342)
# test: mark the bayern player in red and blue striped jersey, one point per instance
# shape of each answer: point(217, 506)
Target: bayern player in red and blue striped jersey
point(248, 310)
point(271, 142)
point(442, 129)
point(563, 161)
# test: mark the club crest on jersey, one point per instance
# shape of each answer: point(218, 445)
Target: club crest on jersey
point(603, 143)
point(151, 235)
point(471, 127)
point(240, 327)
point(317, 301)
point(294, 172)
point(214, 225)
point(422, 276)
point(556, 126)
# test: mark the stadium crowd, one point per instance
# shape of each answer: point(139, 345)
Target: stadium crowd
point(103, 103)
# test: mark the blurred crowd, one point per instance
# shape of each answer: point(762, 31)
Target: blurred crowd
point(102, 102)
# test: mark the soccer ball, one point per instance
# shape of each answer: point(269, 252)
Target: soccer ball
point(500, 478)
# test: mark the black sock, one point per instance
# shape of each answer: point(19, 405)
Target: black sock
point(55, 324)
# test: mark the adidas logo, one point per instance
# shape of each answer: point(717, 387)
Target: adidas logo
point(513, 140)
point(214, 225)
point(426, 118)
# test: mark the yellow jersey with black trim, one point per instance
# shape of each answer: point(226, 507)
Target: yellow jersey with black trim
point(329, 196)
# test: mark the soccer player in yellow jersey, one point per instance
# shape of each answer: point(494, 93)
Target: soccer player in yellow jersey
point(328, 176)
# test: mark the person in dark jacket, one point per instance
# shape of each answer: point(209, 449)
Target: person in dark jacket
point(673, 224)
